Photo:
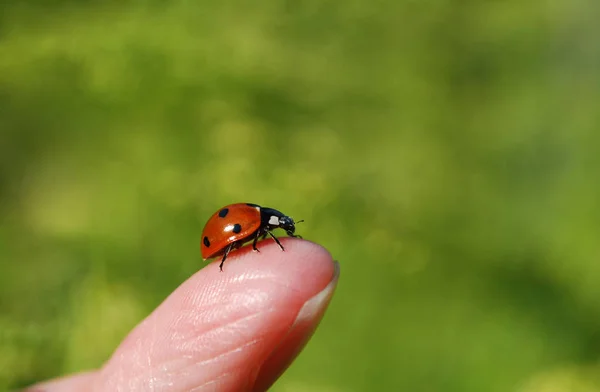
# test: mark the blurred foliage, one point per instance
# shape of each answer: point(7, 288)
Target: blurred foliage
point(446, 153)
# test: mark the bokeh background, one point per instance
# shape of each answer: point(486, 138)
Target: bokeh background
point(446, 153)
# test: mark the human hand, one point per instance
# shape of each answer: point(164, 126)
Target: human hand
point(236, 330)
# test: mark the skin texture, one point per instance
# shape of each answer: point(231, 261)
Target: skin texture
point(236, 330)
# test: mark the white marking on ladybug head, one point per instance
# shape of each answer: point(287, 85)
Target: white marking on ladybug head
point(274, 221)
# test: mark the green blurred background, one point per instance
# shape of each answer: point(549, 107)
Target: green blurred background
point(446, 153)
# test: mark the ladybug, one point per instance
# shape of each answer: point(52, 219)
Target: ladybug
point(235, 224)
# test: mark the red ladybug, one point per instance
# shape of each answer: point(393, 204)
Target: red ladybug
point(235, 224)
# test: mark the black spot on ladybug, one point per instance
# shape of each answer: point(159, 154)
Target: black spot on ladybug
point(223, 213)
point(237, 228)
point(206, 242)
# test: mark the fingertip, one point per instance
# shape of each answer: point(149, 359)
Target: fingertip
point(306, 322)
point(240, 326)
point(252, 304)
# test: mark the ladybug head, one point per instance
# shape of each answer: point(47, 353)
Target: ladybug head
point(288, 224)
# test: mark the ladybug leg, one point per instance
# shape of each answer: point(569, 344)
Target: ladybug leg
point(227, 250)
point(276, 240)
point(254, 248)
point(293, 235)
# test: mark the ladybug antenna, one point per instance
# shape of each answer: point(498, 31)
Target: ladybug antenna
point(301, 220)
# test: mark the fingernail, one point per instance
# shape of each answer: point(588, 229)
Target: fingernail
point(314, 307)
